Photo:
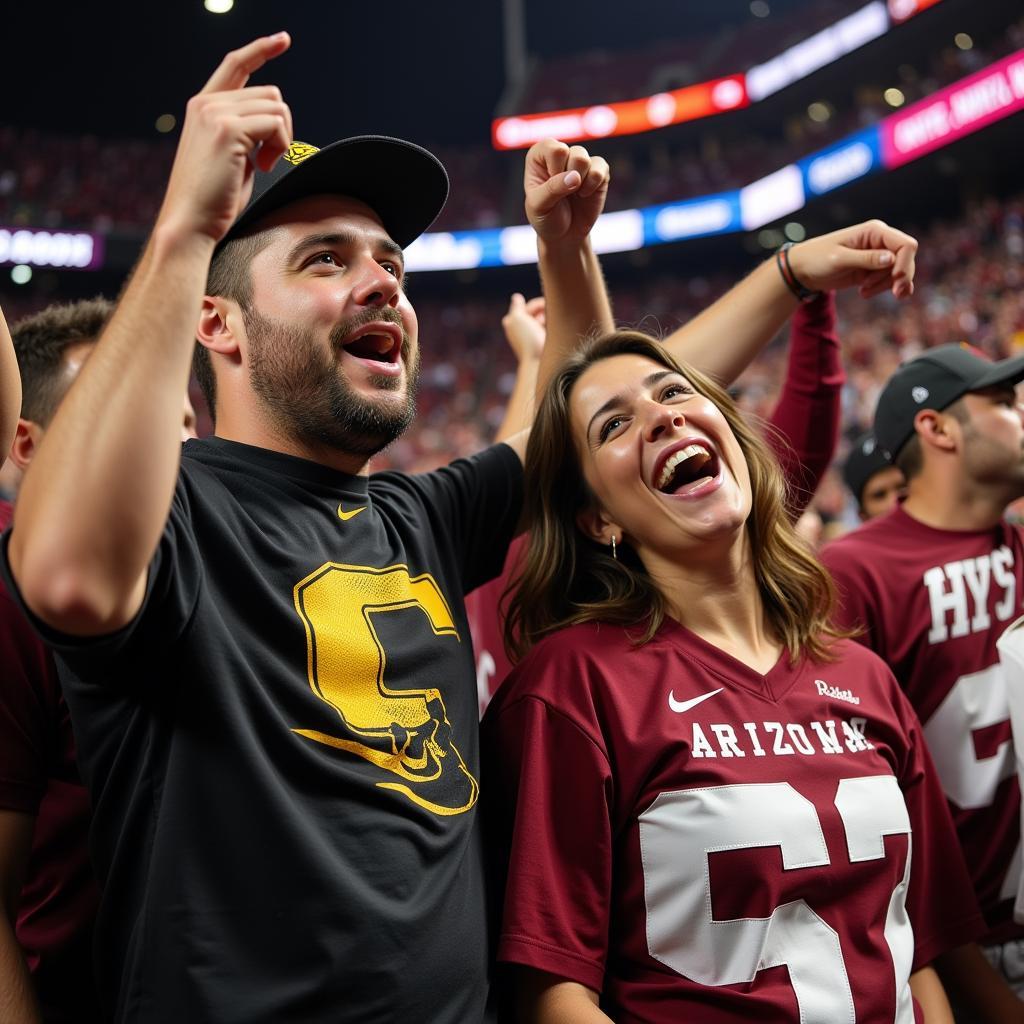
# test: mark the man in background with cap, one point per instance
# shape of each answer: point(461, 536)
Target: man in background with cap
point(875, 483)
point(933, 584)
point(265, 649)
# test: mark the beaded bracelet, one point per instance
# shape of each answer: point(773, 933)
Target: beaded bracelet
point(793, 283)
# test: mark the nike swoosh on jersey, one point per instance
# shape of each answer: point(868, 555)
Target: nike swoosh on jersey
point(680, 706)
point(346, 516)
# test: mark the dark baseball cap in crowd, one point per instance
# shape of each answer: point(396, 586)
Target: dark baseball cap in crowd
point(404, 184)
point(867, 457)
point(935, 380)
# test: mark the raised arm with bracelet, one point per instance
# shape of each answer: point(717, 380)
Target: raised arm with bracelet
point(723, 340)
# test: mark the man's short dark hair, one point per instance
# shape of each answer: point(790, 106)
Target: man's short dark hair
point(40, 342)
point(229, 277)
point(910, 460)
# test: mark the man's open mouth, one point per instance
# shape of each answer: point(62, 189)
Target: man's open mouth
point(686, 468)
point(379, 342)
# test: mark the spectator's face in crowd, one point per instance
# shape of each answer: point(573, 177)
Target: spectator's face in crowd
point(30, 433)
point(993, 438)
point(882, 492)
point(332, 339)
point(72, 361)
point(634, 422)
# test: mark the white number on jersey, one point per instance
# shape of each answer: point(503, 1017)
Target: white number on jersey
point(679, 831)
point(976, 701)
point(485, 669)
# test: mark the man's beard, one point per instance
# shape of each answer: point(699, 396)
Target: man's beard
point(307, 394)
point(992, 465)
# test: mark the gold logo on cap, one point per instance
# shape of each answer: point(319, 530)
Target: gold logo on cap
point(299, 151)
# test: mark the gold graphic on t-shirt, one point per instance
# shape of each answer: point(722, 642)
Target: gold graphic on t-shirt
point(403, 732)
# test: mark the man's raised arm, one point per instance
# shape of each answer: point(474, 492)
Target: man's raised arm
point(727, 336)
point(97, 495)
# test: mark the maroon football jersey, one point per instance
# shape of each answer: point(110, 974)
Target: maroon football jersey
point(697, 841)
point(39, 776)
point(484, 610)
point(933, 603)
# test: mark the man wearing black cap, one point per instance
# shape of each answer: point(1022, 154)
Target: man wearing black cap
point(933, 584)
point(264, 649)
point(871, 477)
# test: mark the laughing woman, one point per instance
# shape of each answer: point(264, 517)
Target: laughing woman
point(711, 801)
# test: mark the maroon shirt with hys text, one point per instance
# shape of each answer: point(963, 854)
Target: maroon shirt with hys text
point(932, 603)
point(697, 841)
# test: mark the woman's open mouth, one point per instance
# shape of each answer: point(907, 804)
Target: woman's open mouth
point(687, 469)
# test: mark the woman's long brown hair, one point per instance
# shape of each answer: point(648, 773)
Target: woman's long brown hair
point(567, 578)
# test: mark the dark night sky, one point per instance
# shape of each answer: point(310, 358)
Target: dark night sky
point(430, 71)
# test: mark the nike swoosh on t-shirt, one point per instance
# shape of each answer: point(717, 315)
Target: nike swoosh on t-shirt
point(685, 705)
point(346, 516)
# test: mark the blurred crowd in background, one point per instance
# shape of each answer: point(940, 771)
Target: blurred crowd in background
point(969, 273)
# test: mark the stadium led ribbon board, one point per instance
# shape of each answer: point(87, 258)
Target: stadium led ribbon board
point(716, 96)
point(65, 250)
point(942, 118)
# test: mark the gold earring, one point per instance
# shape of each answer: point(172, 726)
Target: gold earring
point(615, 553)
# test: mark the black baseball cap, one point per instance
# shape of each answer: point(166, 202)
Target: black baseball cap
point(404, 184)
point(867, 457)
point(935, 380)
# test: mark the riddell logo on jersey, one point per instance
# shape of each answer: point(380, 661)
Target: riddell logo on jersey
point(835, 693)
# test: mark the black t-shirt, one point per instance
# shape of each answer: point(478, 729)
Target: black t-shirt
point(282, 746)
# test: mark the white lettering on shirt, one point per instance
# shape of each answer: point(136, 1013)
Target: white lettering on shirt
point(799, 738)
point(780, 746)
point(826, 733)
point(835, 693)
point(751, 728)
point(809, 739)
point(699, 745)
point(962, 588)
point(727, 741)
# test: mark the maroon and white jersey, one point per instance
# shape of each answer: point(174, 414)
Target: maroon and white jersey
point(697, 841)
point(1011, 657)
point(933, 604)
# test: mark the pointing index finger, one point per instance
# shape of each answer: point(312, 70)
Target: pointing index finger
point(234, 70)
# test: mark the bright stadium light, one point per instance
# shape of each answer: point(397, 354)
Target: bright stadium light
point(819, 112)
point(795, 232)
point(21, 274)
point(218, 6)
point(963, 41)
point(759, 9)
point(894, 97)
point(165, 123)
